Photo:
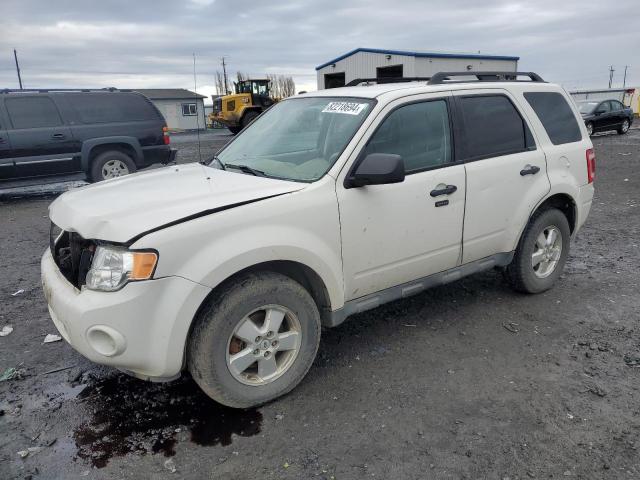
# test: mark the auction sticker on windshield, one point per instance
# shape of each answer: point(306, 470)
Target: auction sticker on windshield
point(350, 108)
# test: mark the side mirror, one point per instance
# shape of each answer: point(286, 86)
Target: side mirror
point(377, 169)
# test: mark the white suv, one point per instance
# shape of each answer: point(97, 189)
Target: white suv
point(329, 204)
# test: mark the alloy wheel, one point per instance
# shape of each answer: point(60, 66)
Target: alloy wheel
point(547, 252)
point(625, 126)
point(114, 168)
point(264, 345)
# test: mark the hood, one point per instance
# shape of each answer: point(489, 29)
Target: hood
point(120, 209)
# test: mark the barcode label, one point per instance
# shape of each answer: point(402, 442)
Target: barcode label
point(350, 108)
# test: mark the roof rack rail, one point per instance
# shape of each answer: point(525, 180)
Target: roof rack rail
point(53, 90)
point(358, 81)
point(442, 77)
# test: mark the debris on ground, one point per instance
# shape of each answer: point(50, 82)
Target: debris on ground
point(170, 465)
point(61, 369)
point(8, 374)
point(19, 292)
point(624, 154)
point(52, 338)
point(632, 360)
point(595, 389)
point(25, 453)
point(6, 330)
point(511, 326)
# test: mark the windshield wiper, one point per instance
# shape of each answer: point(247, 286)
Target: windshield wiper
point(209, 161)
point(246, 169)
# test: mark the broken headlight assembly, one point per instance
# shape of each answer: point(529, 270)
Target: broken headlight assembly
point(113, 267)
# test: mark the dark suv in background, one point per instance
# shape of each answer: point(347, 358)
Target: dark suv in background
point(101, 133)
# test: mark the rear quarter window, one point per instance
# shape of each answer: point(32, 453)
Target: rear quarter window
point(111, 107)
point(556, 116)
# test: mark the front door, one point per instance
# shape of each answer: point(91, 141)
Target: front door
point(604, 119)
point(7, 169)
point(41, 143)
point(506, 172)
point(392, 234)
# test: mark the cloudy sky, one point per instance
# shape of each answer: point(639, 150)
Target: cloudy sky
point(137, 44)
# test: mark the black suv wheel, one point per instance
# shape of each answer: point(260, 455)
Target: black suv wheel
point(111, 164)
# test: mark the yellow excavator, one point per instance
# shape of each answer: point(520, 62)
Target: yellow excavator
point(236, 111)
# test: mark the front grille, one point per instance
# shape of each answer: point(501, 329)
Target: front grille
point(72, 254)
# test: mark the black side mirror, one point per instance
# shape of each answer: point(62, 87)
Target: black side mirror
point(377, 169)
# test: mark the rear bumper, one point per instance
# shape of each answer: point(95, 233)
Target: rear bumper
point(141, 328)
point(156, 154)
point(584, 201)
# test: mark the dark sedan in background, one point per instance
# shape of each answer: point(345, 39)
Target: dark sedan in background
point(603, 115)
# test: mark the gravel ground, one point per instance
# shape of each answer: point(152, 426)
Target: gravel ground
point(468, 380)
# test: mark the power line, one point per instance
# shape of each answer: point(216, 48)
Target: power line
point(15, 55)
point(611, 70)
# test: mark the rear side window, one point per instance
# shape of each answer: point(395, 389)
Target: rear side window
point(493, 127)
point(32, 112)
point(419, 132)
point(556, 116)
point(111, 107)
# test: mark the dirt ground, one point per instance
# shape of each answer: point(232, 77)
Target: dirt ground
point(465, 381)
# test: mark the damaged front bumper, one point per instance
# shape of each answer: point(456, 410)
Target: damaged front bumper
point(141, 329)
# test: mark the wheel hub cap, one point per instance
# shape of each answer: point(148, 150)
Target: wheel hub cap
point(547, 252)
point(264, 345)
point(114, 169)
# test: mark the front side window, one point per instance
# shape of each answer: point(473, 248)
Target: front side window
point(189, 109)
point(298, 139)
point(493, 127)
point(32, 112)
point(418, 132)
point(556, 116)
point(604, 107)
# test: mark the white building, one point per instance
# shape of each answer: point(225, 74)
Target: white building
point(375, 63)
point(182, 109)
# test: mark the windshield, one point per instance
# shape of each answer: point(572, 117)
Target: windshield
point(587, 107)
point(297, 139)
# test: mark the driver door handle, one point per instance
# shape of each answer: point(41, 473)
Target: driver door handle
point(58, 136)
point(448, 190)
point(529, 170)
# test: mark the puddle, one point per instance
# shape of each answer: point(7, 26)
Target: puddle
point(133, 416)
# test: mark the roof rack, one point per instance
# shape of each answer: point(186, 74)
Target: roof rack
point(358, 81)
point(443, 77)
point(53, 90)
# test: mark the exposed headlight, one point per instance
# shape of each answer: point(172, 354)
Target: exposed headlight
point(113, 267)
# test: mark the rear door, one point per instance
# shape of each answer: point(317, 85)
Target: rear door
point(506, 172)
point(41, 143)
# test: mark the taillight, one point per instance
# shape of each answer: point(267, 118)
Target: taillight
point(591, 165)
point(165, 135)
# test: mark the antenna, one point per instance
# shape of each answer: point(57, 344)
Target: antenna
point(15, 55)
point(195, 93)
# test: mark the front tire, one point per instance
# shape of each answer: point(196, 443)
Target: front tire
point(234, 130)
point(255, 340)
point(624, 128)
point(249, 117)
point(541, 254)
point(111, 164)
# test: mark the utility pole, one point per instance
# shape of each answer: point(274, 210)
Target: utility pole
point(624, 80)
point(15, 55)
point(224, 72)
point(611, 70)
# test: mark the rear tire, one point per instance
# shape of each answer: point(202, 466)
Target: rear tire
point(624, 128)
point(111, 164)
point(539, 260)
point(255, 340)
